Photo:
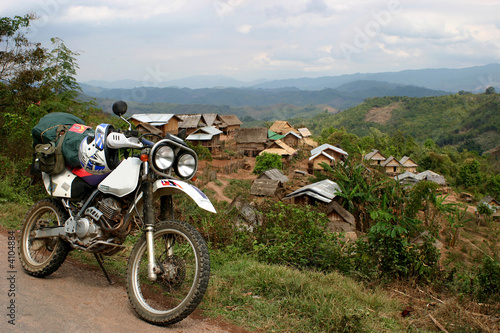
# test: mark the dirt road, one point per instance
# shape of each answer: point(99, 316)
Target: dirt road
point(73, 299)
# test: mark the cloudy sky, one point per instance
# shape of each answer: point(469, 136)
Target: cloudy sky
point(161, 40)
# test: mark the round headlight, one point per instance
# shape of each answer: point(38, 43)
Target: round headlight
point(164, 157)
point(186, 165)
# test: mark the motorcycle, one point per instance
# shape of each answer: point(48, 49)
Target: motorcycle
point(95, 209)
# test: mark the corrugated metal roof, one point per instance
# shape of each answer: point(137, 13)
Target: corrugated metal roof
point(323, 190)
point(199, 137)
point(274, 174)
point(294, 134)
point(327, 146)
point(155, 119)
point(322, 153)
point(204, 134)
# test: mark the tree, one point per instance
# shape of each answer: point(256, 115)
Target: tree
point(490, 90)
point(21, 70)
point(469, 174)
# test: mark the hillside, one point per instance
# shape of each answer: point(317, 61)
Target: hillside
point(467, 121)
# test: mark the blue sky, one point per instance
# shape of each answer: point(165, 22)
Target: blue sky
point(160, 40)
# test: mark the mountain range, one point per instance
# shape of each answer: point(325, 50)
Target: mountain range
point(473, 79)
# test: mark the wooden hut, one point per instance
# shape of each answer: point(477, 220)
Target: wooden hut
point(267, 188)
point(392, 166)
point(166, 123)
point(282, 127)
point(336, 152)
point(251, 140)
point(408, 164)
point(375, 157)
point(292, 139)
point(340, 219)
point(206, 136)
point(190, 122)
point(319, 158)
point(278, 147)
point(229, 124)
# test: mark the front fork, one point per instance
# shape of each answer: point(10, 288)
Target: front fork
point(166, 209)
point(149, 224)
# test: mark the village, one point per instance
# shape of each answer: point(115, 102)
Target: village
point(234, 148)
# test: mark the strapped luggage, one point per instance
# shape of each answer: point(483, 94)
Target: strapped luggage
point(56, 140)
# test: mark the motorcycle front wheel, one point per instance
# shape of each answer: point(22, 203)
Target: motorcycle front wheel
point(43, 256)
point(183, 273)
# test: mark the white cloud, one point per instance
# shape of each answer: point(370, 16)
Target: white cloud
point(244, 29)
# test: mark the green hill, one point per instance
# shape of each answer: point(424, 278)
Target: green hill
point(468, 121)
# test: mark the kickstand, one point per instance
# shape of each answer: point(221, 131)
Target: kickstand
point(100, 262)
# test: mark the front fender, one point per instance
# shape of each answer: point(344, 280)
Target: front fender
point(170, 186)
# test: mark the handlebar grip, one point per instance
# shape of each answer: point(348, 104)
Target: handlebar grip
point(129, 134)
point(146, 142)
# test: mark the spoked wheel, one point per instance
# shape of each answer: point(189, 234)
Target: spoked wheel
point(183, 272)
point(43, 256)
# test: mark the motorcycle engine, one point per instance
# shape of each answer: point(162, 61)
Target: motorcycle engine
point(110, 208)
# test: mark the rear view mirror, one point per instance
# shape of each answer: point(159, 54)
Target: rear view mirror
point(119, 108)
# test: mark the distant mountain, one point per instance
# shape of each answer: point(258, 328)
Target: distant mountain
point(193, 82)
point(473, 79)
point(348, 96)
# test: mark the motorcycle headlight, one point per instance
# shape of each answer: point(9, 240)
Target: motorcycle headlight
point(163, 157)
point(186, 166)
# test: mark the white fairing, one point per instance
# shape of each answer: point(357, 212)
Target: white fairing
point(60, 185)
point(124, 179)
point(169, 186)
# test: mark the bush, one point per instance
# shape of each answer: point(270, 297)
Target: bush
point(202, 152)
point(298, 236)
point(487, 286)
point(387, 253)
point(266, 162)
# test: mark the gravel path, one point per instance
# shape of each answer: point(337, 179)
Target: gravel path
point(74, 299)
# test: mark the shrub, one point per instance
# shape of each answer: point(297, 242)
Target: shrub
point(267, 161)
point(298, 236)
point(488, 281)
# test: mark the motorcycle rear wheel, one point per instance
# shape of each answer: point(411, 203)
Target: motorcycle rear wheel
point(42, 257)
point(184, 271)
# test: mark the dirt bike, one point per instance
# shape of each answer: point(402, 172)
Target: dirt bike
point(95, 209)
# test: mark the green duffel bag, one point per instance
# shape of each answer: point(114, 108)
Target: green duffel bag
point(48, 130)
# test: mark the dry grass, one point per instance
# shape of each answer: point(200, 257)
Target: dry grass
point(381, 115)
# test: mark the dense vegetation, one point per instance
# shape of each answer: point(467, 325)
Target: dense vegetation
point(467, 121)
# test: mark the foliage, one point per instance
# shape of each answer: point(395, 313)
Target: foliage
point(266, 162)
point(358, 188)
point(238, 187)
point(488, 280)
point(33, 82)
point(202, 152)
point(484, 209)
point(483, 284)
point(297, 236)
point(469, 174)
